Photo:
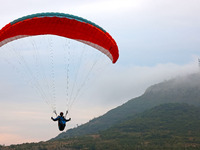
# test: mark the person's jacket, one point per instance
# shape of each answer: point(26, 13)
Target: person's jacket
point(61, 120)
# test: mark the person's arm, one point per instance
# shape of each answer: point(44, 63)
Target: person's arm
point(55, 118)
point(67, 119)
point(66, 114)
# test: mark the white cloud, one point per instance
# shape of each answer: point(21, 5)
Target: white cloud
point(125, 83)
point(107, 6)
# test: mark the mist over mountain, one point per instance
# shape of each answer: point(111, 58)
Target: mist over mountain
point(183, 89)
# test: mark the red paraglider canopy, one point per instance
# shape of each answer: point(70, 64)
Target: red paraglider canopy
point(64, 25)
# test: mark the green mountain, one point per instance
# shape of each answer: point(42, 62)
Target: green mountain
point(171, 126)
point(165, 121)
point(183, 89)
point(167, 126)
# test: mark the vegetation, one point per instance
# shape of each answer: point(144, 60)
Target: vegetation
point(168, 126)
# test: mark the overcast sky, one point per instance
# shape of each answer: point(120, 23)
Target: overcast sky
point(157, 40)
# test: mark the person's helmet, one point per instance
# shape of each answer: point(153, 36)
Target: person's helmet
point(61, 113)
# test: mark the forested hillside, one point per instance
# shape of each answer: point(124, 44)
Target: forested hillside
point(184, 89)
point(170, 126)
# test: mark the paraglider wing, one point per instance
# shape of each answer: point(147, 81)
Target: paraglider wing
point(64, 25)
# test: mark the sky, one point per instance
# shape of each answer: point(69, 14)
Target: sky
point(157, 40)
